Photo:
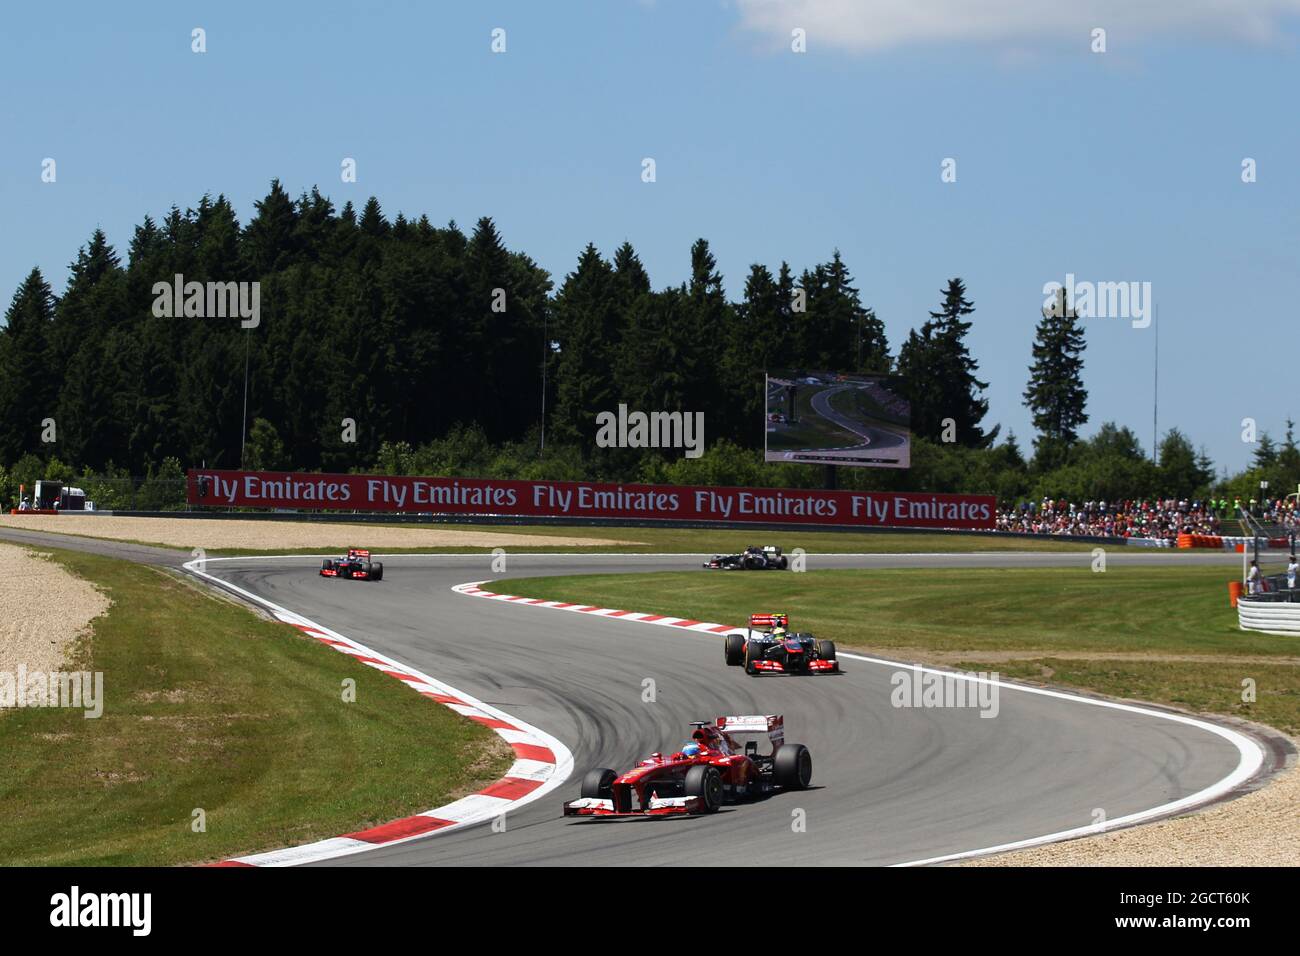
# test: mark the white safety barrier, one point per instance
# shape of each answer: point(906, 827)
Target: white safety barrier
point(1271, 617)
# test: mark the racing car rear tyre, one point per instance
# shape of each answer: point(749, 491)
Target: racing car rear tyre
point(733, 649)
point(792, 766)
point(782, 563)
point(599, 783)
point(705, 783)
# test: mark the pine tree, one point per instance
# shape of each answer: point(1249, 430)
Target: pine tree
point(28, 389)
point(268, 241)
point(757, 343)
point(835, 331)
point(1182, 473)
point(372, 220)
point(586, 328)
point(939, 377)
point(1288, 457)
point(700, 337)
point(1055, 395)
point(1265, 456)
point(630, 278)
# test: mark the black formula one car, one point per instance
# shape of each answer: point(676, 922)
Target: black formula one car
point(774, 650)
point(355, 564)
point(767, 558)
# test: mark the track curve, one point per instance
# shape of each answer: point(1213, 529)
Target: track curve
point(890, 785)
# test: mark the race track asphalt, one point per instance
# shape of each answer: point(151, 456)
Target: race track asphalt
point(890, 785)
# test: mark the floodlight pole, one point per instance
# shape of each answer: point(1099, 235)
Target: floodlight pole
point(243, 425)
point(1155, 394)
point(546, 345)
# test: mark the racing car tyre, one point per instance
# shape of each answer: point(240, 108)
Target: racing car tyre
point(826, 650)
point(705, 783)
point(599, 783)
point(752, 563)
point(782, 563)
point(749, 659)
point(377, 571)
point(792, 766)
point(733, 649)
point(327, 565)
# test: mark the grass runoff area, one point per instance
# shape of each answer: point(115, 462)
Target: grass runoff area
point(208, 706)
point(665, 540)
point(1161, 634)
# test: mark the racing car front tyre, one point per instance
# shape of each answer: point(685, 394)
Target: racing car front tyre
point(705, 783)
point(750, 657)
point(733, 650)
point(377, 571)
point(826, 650)
point(792, 766)
point(599, 783)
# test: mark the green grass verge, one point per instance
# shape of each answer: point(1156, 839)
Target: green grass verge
point(1163, 634)
point(210, 707)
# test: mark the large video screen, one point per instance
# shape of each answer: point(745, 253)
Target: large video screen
point(834, 419)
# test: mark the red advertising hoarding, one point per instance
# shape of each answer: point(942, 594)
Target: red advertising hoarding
point(580, 500)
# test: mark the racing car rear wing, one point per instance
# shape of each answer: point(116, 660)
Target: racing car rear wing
point(774, 619)
point(771, 724)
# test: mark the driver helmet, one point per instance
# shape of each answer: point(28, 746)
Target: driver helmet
point(692, 749)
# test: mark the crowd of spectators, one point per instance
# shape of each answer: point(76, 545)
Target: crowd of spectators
point(1144, 518)
point(1131, 518)
point(1280, 511)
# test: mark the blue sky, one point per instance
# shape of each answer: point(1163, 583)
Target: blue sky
point(1119, 166)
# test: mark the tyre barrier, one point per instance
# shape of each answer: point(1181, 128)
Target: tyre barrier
point(1225, 542)
point(1148, 542)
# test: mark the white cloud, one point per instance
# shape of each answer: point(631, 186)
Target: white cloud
point(871, 25)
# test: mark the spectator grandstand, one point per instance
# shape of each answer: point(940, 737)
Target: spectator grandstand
point(1164, 518)
point(1133, 518)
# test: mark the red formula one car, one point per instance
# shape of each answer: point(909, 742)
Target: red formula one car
point(775, 650)
point(356, 564)
point(720, 763)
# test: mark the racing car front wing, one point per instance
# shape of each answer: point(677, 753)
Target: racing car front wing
point(657, 807)
point(818, 666)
